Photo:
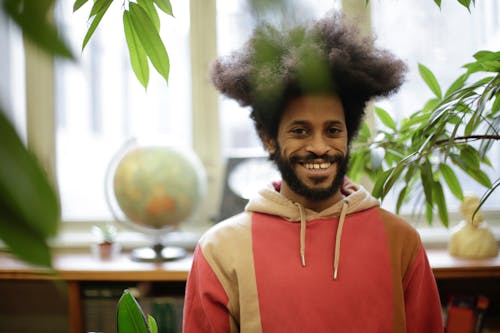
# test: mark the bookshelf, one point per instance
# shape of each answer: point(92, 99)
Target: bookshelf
point(80, 272)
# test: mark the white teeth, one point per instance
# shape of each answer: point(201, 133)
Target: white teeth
point(324, 165)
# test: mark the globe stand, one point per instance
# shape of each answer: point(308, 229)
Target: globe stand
point(157, 253)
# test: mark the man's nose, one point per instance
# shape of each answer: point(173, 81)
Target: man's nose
point(318, 145)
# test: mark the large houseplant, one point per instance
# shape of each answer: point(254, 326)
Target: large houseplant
point(454, 128)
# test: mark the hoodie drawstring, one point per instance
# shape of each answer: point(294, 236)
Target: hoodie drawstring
point(302, 235)
point(336, 257)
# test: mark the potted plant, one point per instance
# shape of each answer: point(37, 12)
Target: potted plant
point(106, 247)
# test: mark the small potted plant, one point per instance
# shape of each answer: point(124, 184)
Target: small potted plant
point(106, 247)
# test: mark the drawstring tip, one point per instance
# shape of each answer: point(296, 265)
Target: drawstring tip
point(335, 274)
point(303, 260)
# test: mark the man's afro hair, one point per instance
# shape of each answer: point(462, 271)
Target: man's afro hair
point(325, 57)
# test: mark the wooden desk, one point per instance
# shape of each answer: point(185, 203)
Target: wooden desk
point(78, 268)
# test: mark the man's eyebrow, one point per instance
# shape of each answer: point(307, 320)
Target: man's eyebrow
point(299, 122)
point(336, 123)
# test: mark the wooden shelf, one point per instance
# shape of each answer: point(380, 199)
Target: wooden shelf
point(84, 267)
point(451, 274)
point(445, 266)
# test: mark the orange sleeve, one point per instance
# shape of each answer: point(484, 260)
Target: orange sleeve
point(422, 304)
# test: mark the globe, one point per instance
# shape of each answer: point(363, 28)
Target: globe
point(153, 189)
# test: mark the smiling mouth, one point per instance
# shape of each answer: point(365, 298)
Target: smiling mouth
point(316, 166)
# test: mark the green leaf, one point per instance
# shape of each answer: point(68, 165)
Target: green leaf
point(496, 104)
point(385, 117)
point(438, 196)
point(438, 3)
point(24, 242)
point(130, 317)
point(465, 3)
point(78, 4)
point(427, 181)
point(150, 39)
point(431, 104)
point(33, 19)
point(165, 6)
point(152, 324)
point(471, 157)
point(356, 165)
point(401, 199)
point(457, 84)
point(364, 131)
point(96, 14)
point(480, 176)
point(485, 55)
point(430, 80)
point(149, 7)
point(451, 180)
point(379, 183)
point(392, 179)
point(24, 187)
point(138, 57)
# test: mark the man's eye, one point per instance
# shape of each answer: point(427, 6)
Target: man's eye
point(333, 130)
point(299, 131)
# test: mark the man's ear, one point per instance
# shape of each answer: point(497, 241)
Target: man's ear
point(269, 144)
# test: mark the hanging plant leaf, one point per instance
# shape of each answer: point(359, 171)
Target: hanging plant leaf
point(149, 7)
point(165, 6)
point(150, 39)
point(78, 4)
point(96, 14)
point(138, 57)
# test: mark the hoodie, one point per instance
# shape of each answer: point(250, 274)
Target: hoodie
point(280, 267)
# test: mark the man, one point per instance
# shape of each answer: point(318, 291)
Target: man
point(314, 252)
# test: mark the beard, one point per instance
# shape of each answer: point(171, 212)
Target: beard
point(285, 166)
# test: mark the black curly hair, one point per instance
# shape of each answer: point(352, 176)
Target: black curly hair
point(328, 56)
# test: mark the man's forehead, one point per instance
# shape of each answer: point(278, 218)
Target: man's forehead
point(328, 107)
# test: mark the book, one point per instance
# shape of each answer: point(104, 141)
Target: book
point(465, 313)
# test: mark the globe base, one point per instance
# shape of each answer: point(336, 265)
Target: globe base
point(157, 253)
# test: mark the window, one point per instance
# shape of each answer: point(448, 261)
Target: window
point(12, 71)
point(100, 104)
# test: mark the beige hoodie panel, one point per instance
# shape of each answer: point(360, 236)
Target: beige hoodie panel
point(227, 247)
point(404, 244)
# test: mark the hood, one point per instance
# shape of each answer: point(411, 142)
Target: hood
point(270, 201)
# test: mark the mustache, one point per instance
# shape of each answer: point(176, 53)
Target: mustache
point(332, 158)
